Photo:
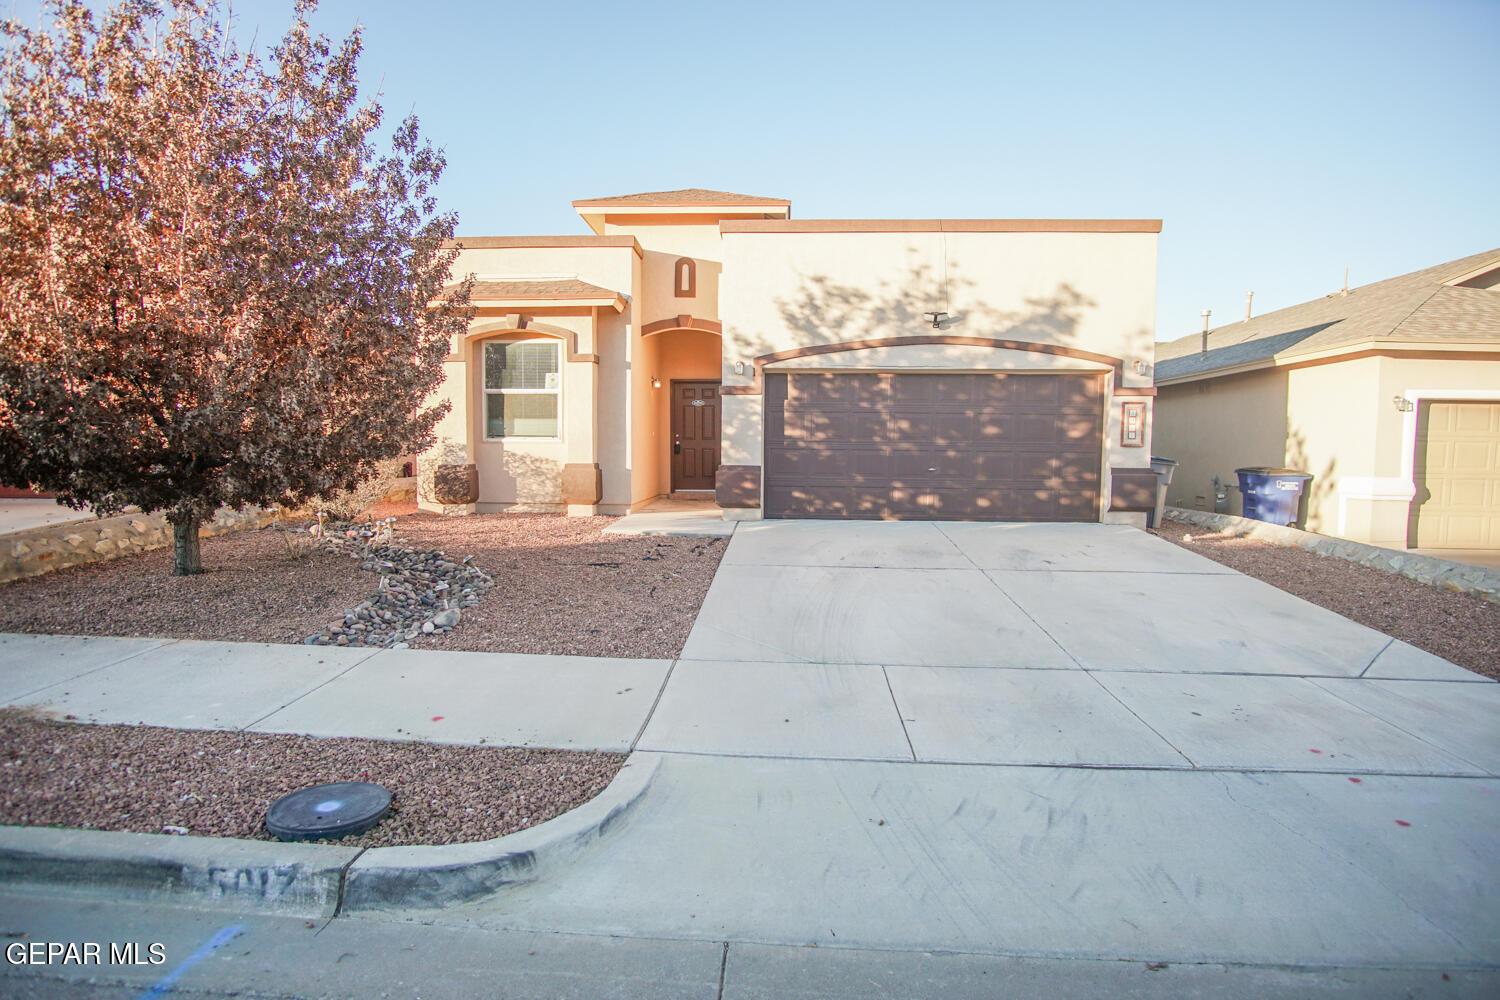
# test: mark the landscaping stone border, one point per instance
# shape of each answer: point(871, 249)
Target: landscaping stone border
point(1461, 578)
point(35, 551)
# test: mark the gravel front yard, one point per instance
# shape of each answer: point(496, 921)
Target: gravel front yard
point(145, 779)
point(561, 587)
point(1459, 628)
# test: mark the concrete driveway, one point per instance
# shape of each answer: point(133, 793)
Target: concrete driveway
point(1048, 644)
point(1051, 740)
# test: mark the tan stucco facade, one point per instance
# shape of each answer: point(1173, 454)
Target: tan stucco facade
point(1050, 302)
point(702, 291)
point(1337, 419)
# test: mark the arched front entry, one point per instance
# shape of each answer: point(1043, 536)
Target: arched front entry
point(685, 364)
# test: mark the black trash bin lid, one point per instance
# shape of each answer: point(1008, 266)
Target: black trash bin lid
point(338, 809)
point(1283, 473)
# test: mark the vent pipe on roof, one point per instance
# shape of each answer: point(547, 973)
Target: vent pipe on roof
point(1249, 298)
point(1345, 289)
point(1203, 351)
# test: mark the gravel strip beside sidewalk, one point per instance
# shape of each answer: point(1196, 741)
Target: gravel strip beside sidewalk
point(1461, 629)
point(147, 779)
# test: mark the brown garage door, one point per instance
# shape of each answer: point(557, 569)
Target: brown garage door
point(980, 446)
point(1458, 477)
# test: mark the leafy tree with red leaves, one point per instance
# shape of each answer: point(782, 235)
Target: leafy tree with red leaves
point(213, 290)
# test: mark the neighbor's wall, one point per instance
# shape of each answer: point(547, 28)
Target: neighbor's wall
point(1214, 426)
point(1336, 421)
point(1392, 486)
point(57, 546)
point(1332, 421)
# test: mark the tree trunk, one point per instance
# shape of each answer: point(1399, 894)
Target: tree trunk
point(185, 548)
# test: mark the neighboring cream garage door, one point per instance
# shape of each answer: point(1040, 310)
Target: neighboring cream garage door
point(973, 446)
point(1458, 476)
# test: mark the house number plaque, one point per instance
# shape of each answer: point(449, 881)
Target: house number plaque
point(698, 402)
point(1132, 425)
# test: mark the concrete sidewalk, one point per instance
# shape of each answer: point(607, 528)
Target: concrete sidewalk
point(500, 699)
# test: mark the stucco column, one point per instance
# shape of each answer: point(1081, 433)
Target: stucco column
point(582, 479)
point(737, 486)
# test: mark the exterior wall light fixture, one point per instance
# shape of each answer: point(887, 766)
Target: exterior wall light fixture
point(937, 319)
point(655, 382)
point(739, 367)
point(1403, 404)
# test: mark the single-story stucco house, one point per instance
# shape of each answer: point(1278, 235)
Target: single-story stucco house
point(1388, 394)
point(704, 343)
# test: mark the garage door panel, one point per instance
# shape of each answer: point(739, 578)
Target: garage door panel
point(999, 446)
point(809, 462)
point(1457, 476)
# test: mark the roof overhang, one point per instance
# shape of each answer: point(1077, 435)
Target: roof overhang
point(522, 303)
point(524, 242)
point(1474, 272)
point(517, 293)
point(1362, 348)
point(596, 213)
point(941, 226)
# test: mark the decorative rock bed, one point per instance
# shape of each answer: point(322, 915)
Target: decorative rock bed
point(1458, 577)
point(420, 593)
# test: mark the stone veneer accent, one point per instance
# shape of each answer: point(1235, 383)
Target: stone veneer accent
point(1460, 577)
point(54, 546)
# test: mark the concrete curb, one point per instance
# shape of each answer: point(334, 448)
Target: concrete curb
point(250, 874)
point(385, 878)
point(1458, 577)
point(317, 880)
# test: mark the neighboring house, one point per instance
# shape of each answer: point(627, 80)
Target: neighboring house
point(702, 343)
point(1388, 394)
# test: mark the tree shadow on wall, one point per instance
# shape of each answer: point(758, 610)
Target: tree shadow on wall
point(1319, 490)
point(825, 311)
point(909, 465)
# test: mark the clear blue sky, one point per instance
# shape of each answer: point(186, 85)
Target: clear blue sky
point(1279, 142)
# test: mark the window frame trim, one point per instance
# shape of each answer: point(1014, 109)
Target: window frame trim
point(485, 391)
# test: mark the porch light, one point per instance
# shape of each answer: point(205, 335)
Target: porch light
point(655, 382)
point(937, 319)
point(1403, 404)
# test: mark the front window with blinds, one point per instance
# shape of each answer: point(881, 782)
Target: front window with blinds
point(522, 389)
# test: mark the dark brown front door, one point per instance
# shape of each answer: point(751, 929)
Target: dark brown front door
point(695, 435)
point(975, 446)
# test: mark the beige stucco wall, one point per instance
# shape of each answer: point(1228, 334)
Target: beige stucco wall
point(664, 245)
point(1212, 428)
point(1091, 292)
point(1336, 421)
point(520, 474)
point(1332, 415)
point(671, 354)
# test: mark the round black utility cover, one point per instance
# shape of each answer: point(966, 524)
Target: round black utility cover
point(339, 809)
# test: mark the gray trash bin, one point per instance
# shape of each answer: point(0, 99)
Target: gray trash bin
point(1163, 467)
